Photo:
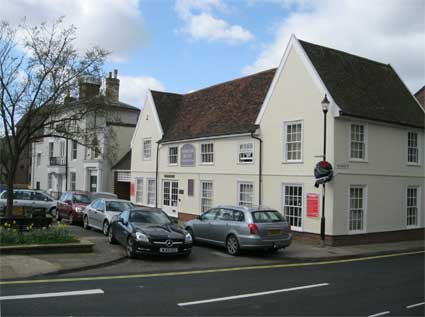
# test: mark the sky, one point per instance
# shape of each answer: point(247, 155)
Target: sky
point(184, 45)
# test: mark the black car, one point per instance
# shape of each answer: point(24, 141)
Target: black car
point(149, 231)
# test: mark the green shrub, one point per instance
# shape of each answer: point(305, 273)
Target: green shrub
point(58, 234)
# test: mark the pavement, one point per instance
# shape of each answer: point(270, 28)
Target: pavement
point(390, 285)
point(110, 259)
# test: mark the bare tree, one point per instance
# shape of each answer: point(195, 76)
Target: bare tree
point(39, 68)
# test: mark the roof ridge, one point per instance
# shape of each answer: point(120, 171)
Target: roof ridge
point(230, 81)
point(344, 52)
point(166, 92)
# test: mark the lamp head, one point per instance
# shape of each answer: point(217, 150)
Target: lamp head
point(325, 104)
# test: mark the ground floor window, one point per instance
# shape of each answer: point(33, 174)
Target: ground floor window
point(357, 208)
point(93, 181)
point(293, 205)
point(246, 194)
point(151, 191)
point(206, 195)
point(412, 206)
point(49, 181)
point(139, 190)
point(73, 177)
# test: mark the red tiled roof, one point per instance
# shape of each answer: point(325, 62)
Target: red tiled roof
point(420, 95)
point(227, 108)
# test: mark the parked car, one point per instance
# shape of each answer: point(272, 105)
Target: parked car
point(71, 205)
point(149, 231)
point(104, 195)
point(236, 228)
point(99, 213)
point(33, 202)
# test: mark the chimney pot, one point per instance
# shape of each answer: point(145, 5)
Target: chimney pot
point(115, 73)
point(110, 74)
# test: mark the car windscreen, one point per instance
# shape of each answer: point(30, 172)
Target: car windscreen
point(82, 199)
point(151, 217)
point(265, 216)
point(118, 205)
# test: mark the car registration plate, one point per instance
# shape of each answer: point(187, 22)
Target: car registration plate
point(168, 250)
point(274, 232)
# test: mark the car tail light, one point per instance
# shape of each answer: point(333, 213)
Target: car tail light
point(253, 229)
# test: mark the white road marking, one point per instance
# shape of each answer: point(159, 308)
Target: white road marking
point(220, 299)
point(415, 305)
point(59, 294)
point(379, 314)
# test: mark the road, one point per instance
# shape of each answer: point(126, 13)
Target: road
point(365, 287)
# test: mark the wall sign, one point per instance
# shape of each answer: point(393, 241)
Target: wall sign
point(312, 205)
point(169, 176)
point(187, 156)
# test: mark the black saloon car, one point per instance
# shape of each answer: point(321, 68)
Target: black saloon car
point(149, 231)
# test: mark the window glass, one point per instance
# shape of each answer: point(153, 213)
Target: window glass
point(101, 205)
point(147, 149)
point(412, 148)
point(139, 190)
point(22, 195)
point(246, 194)
point(125, 215)
point(209, 215)
point(151, 191)
point(293, 141)
point(225, 215)
point(118, 205)
point(358, 142)
point(206, 195)
point(173, 154)
point(238, 215)
point(95, 203)
point(293, 205)
point(207, 153)
point(149, 216)
point(246, 152)
point(356, 213)
point(81, 198)
point(4, 195)
point(267, 216)
point(412, 206)
point(39, 196)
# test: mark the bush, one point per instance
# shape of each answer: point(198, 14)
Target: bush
point(45, 235)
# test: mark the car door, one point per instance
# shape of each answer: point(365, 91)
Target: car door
point(99, 213)
point(120, 228)
point(202, 227)
point(90, 212)
point(40, 200)
point(220, 225)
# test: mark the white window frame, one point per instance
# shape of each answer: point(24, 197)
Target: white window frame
point(176, 155)
point(417, 148)
point(213, 153)
point(285, 141)
point(49, 181)
point(239, 184)
point(365, 203)
point(73, 184)
point(365, 141)
point(144, 156)
point(201, 196)
point(62, 149)
point(418, 205)
point(294, 228)
point(148, 192)
point(240, 144)
point(74, 150)
point(138, 191)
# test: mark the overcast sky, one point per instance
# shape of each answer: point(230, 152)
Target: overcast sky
point(185, 45)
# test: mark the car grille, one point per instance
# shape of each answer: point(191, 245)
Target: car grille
point(163, 241)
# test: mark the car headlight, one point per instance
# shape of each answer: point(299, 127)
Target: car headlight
point(141, 237)
point(188, 238)
point(79, 209)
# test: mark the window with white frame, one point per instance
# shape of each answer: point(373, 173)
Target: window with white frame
point(293, 141)
point(207, 153)
point(51, 149)
point(74, 150)
point(151, 192)
point(293, 205)
point(173, 155)
point(147, 149)
point(412, 148)
point(246, 152)
point(49, 181)
point(73, 177)
point(357, 142)
point(139, 190)
point(412, 206)
point(206, 195)
point(357, 208)
point(38, 159)
point(246, 194)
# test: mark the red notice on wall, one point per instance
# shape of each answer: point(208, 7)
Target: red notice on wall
point(131, 189)
point(312, 205)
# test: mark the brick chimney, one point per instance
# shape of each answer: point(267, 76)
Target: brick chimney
point(88, 88)
point(112, 87)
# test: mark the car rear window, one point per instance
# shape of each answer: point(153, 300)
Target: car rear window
point(267, 216)
point(82, 199)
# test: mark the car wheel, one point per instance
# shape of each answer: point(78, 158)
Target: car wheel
point(131, 253)
point(105, 227)
point(86, 223)
point(71, 219)
point(191, 233)
point(232, 245)
point(111, 238)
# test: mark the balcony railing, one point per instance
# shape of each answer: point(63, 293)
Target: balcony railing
point(57, 161)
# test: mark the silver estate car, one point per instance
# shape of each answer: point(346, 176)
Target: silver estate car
point(99, 213)
point(236, 228)
point(29, 199)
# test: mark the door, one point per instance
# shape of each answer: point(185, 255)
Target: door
point(170, 197)
point(93, 181)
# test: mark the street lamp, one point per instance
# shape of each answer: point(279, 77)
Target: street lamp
point(325, 108)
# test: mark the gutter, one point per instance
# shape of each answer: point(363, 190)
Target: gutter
point(156, 173)
point(260, 167)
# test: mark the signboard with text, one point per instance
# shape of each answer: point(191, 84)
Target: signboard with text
point(187, 155)
point(312, 205)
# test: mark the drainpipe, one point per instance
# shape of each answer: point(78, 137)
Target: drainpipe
point(260, 167)
point(156, 173)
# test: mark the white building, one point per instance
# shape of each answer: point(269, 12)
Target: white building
point(194, 151)
point(59, 165)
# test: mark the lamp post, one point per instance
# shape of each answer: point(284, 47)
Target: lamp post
point(325, 108)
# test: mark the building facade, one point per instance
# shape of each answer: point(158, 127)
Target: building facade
point(59, 164)
point(256, 140)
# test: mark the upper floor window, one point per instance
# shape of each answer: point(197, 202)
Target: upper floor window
point(147, 149)
point(207, 153)
point(38, 159)
point(51, 149)
point(358, 142)
point(293, 141)
point(62, 149)
point(173, 154)
point(246, 152)
point(412, 148)
point(74, 150)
